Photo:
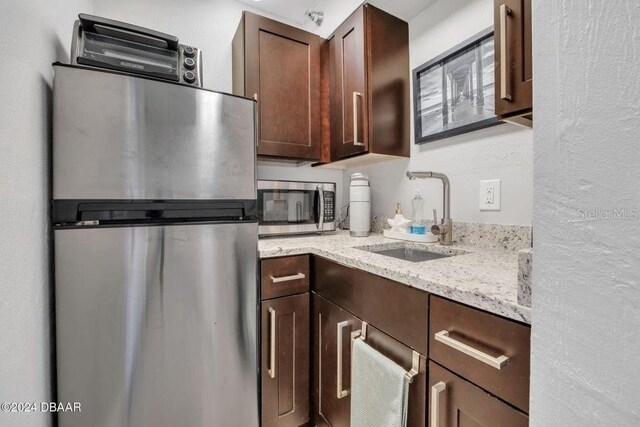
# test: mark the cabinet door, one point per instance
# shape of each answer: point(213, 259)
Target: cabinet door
point(285, 361)
point(349, 98)
point(283, 73)
point(332, 327)
point(454, 401)
point(513, 57)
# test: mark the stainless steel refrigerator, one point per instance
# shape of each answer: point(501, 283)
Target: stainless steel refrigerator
point(155, 237)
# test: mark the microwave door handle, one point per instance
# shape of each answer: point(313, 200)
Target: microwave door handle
point(320, 223)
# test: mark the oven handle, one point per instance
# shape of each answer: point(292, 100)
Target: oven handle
point(148, 36)
point(320, 223)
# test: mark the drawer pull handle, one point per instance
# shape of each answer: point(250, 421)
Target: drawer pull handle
point(436, 389)
point(340, 392)
point(272, 343)
point(287, 278)
point(494, 362)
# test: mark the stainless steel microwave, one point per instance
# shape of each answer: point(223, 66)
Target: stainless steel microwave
point(293, 207)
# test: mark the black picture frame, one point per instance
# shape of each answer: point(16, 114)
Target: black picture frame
point(474, 43)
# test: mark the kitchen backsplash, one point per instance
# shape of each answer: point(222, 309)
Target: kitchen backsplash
point(493, 236)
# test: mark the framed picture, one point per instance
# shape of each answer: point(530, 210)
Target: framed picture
point(454, 92)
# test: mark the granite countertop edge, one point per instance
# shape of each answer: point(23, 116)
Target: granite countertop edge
point(481, 278)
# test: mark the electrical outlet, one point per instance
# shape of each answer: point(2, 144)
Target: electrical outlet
point(490, 195)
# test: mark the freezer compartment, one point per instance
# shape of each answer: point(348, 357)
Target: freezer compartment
point(157, 326)
point(123, 137)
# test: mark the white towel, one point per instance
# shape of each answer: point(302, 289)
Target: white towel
point(379, 389)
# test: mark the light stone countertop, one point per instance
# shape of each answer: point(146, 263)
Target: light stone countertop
point(480, 277)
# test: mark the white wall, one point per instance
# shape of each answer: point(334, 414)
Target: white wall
point(501, 152)
point(586, 290)
point(209, 25)
point(33, 34)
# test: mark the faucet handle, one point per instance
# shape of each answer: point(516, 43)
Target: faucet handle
point(437, 228)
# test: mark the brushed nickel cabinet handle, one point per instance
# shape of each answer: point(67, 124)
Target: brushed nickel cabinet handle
point(504, 75)
point(340, 392)
point(256, 120)
point(436, 389)
point(355, 118)
point(494, 362)
point(281, 279)
point(272, 343)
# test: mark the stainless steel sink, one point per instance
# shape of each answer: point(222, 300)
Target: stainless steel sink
point(410, 254)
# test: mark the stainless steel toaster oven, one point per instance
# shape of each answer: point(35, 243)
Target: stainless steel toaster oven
point(105, 43)
point(290, 207)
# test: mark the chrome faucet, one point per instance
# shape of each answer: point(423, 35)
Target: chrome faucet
point(444, 229)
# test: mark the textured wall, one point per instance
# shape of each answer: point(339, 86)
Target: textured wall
point(586, 290)
point(501, 152)
point(33, 34)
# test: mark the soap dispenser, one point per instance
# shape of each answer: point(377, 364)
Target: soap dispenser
point(399, 224)
point(418, 225)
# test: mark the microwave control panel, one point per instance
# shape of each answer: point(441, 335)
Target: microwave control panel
point(329, 206)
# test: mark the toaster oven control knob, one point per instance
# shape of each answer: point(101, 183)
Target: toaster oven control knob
point(189, 63)
point(188, 51)
point(189, 77)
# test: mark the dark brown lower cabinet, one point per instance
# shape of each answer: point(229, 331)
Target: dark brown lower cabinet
point(285, 361)
point(455, 388)
point(332, 327)
point(453, 401)
point(331, 347)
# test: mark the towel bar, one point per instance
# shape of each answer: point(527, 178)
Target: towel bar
point(415, 362)
point(415, 367)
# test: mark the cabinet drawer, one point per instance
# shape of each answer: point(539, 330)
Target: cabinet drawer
point(394, 308)
point(486, 349)
point(456, 402)
point(284, 276)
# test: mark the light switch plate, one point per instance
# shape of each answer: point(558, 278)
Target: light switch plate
point(490, 195)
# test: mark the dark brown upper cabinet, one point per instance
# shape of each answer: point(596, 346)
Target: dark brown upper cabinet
point(369, 85)
point(513, 61)
point(279, 66)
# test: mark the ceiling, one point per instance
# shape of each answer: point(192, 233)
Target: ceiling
point(335, 10)
point(292, 10)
